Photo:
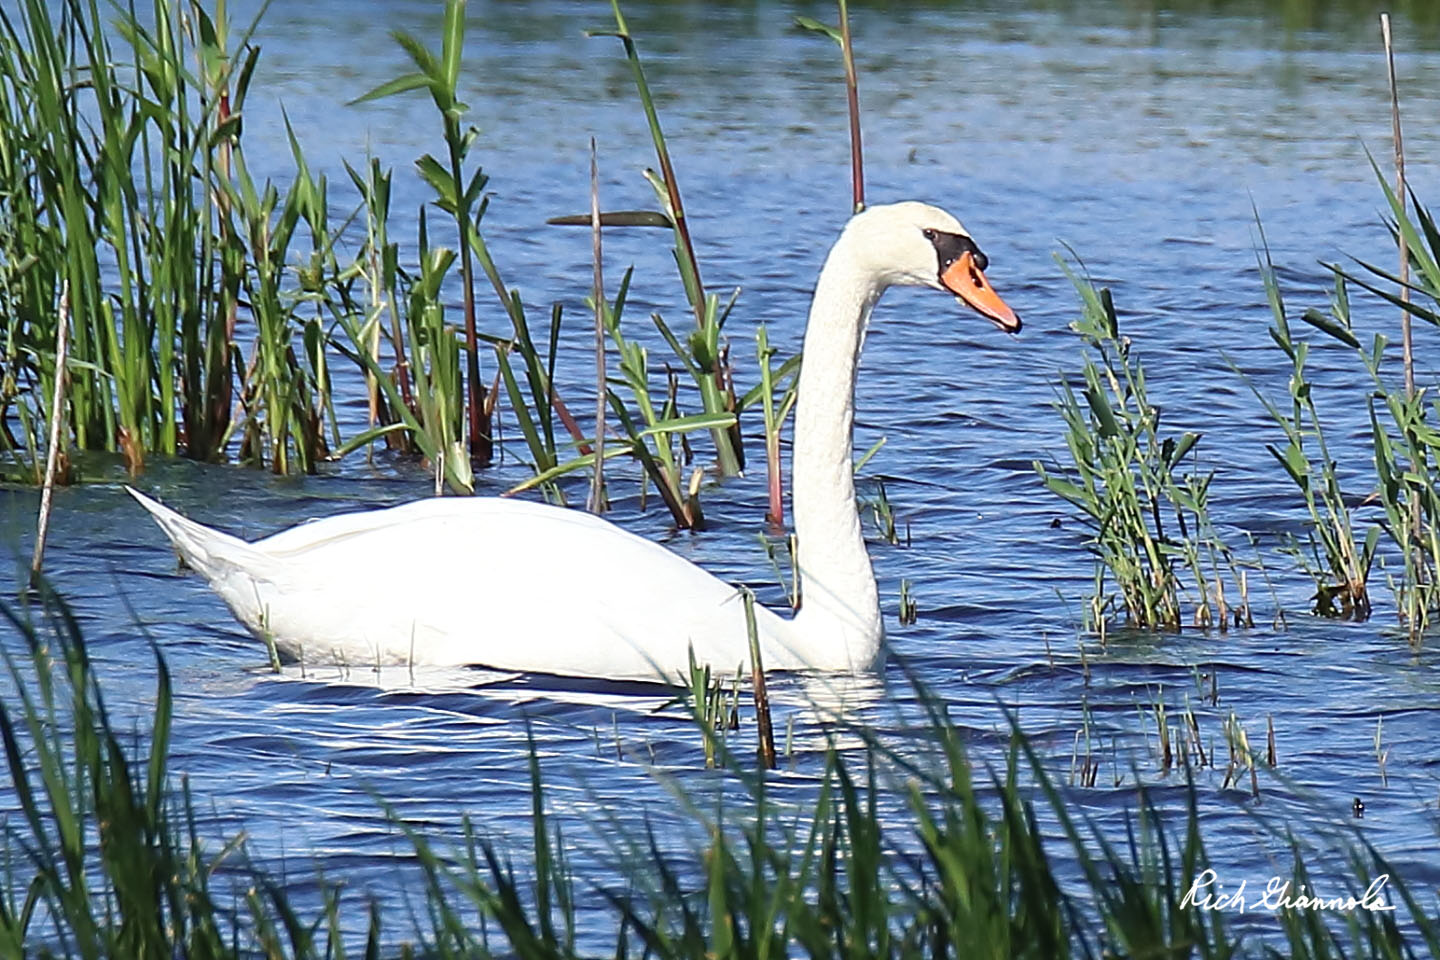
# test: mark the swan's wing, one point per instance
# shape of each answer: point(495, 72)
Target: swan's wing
point(504, 583)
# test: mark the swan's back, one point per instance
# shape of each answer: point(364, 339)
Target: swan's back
point(479, 580)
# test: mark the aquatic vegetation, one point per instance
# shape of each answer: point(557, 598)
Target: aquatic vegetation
point(775, 412)
point(1124, 477)
point(455, 194)
point(704, 356)
point(419, 400)
point(121, 190)
point(1338, 565)
point(106, 858)
point(909, 610)
point(1405, 435)
point(133, 194)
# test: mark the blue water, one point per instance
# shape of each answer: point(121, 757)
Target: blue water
point(1144, 142)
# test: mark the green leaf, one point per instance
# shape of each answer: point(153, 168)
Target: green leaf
point(453, 43)
point(815, 26)
point(616, 218)
point(570, 466)
point(361, 439)
point(1104, 416)
point(697, 421)
point(874, 449)
point(1294, 462)
point(425, 62)
point(1372, 539)
point(401, 84)
point(788, 368)
point(1328, 325)
point(439, 179)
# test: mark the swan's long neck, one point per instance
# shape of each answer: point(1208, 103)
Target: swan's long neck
point(839, 619)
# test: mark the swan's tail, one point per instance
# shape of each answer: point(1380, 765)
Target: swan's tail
point(207, 551)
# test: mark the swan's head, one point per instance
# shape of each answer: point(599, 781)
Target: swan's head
point(915, 244)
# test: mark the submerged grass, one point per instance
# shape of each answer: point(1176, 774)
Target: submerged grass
point(105, 858)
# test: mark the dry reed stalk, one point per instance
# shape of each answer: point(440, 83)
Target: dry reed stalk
point(1400, 195)
point(52, 455)
point(1194, 724)
point(596, 502)
point(1415, 618)
point(757, 680)
point(852, 97)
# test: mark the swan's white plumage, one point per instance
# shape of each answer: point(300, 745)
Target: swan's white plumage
point(525, 586)
point(477, 580)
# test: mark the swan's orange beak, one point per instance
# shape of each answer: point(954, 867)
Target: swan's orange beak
point(965, 280)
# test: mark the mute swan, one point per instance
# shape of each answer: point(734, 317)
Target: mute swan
point(525, 586)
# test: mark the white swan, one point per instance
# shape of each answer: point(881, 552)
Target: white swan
point(525, 586)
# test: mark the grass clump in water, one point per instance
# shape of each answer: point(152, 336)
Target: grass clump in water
point(1148, 521)
point(1404, 433)
point(1338, 565)
point(203, 323)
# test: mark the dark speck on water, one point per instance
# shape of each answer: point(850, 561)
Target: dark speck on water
point(1144, 140)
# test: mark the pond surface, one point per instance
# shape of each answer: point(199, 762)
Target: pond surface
point(1145, 141)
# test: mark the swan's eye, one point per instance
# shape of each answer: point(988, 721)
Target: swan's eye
point(949, 247)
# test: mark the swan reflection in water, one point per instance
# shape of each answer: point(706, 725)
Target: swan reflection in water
point(814, 709)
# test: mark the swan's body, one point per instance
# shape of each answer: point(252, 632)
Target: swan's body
point(524, 586)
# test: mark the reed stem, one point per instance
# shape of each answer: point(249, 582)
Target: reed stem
point(757, 680)
point(52, 455)
point(597, 484)
point(1400, 195)
point(1414, 618)
point(852, 97)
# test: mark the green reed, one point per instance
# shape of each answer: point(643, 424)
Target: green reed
point(775, 412)
point(285, 399)
point(455, 194)
point(1148, 522)
point(207, 309)
point(652, 427)
point(104, 857)
point(424, 391)
point(129, 187)
point(1338, 565)
point(1405, 425)
point(107, 176)
point(377, 269)
point(703, 355)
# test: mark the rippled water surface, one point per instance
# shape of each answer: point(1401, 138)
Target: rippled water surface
point(1146, 142)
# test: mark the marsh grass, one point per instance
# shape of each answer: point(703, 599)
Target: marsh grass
point(1404, 432)
point(207, 308)
point(456, 193)
point(1148, 518)
point(775, 411)
point(105, 858)
point(1339, 566)
point(704, 355)
point(104, 175)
